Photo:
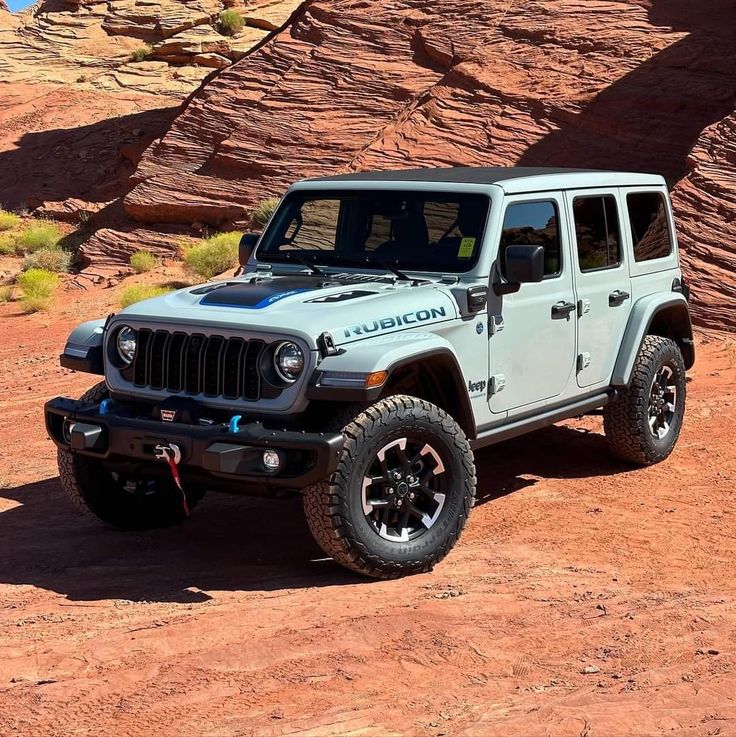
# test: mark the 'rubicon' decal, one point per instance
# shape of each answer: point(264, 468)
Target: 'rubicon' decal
point(395, 321)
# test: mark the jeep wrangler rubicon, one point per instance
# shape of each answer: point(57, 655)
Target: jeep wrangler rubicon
point(384, 326)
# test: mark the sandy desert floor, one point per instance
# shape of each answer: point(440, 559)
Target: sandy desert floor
point(586, 599)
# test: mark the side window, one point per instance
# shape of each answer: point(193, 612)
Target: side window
point(533, 224)
point(650, 228)
point(597, 232)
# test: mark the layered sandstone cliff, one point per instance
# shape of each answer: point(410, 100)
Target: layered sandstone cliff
point(164, 47)
point(365, 84)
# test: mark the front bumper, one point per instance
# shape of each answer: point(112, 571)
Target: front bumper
point(210, 452)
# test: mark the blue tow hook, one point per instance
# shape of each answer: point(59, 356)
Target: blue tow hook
point(234, 422)
point(105, 406)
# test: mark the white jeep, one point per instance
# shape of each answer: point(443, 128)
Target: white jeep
point(384, 327)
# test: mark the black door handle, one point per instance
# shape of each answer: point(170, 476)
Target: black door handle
point(562, 310)
point(617, 298)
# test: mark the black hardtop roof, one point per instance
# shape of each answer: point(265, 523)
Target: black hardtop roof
point(455, 175)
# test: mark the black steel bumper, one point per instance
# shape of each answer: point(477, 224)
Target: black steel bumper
point(210, 451)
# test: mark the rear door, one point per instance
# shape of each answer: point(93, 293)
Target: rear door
point(602, 280)
point(532, 356)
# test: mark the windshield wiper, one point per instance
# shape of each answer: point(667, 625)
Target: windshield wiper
point(385, 265)
point(287, 256)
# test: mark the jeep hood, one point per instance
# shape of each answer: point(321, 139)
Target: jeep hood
point(349, 307)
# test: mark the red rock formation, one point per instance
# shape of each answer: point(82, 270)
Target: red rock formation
point(355, 84)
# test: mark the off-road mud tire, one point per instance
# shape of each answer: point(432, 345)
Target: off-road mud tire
point(626, 418)
point(333, 507)
point(94, 491)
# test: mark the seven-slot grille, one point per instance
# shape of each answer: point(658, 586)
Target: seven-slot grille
point(198, 364)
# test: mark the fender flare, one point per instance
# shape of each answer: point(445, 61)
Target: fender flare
point(390, 353)
point(83, 349)
point(673, 312)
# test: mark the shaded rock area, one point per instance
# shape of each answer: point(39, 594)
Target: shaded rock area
point(354, 85)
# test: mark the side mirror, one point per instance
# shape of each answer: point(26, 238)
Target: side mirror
point(247, 243)
point(523, 265)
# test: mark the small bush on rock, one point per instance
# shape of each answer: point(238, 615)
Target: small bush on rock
point(140, 54)
point(6, 293)
point(139, 292)
point(230, 23)
point(264, 210)
point(37, 289)
point(143, 261)
point(213, 255)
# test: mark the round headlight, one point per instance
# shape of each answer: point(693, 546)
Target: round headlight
point(289, 361)
point(127, 341)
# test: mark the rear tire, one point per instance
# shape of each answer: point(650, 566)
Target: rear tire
point(643, 422)
point(401, 494)
point(126, 503)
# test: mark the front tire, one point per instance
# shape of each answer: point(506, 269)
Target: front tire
point(401, 494)
point(126, 503)
point(643, 422)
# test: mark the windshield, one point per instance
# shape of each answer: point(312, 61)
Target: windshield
point(411, 231)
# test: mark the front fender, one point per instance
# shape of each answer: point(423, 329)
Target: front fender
point(647, 312)
point(83, 350)
point(343, 377)
point(384, 352)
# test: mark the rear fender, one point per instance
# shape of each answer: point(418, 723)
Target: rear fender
point(666, 315)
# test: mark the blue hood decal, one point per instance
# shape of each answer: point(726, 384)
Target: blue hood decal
point(257, 294)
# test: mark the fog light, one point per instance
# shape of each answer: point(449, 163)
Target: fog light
point(271, 460)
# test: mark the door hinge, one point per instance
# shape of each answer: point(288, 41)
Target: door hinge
point(583, 307)
point(583, 361)
point(496, 324)
point(496, 384)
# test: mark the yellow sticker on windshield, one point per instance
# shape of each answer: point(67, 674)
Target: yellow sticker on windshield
point(467, 246)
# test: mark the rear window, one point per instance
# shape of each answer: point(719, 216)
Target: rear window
point(650, 227)
point(597, 232)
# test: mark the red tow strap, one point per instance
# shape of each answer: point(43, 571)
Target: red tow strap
point(172, 455)
point(177, 480)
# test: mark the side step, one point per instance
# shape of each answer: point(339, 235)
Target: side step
point(538, 421)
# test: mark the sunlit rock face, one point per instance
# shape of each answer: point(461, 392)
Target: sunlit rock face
point(164, 47)
point(646, 86)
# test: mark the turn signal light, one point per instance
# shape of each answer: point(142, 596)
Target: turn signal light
point(378, 378)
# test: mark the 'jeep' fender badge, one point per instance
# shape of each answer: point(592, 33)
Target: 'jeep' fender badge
point(168, 415)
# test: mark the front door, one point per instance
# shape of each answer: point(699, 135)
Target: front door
point(602, 281)
point(532, 355)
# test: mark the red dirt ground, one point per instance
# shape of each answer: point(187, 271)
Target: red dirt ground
point(585, 599)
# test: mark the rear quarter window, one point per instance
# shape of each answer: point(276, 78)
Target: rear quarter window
point(650, 228)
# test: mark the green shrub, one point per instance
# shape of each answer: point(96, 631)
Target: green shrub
point(213, 255)
point(143, 261)
point(263, 211)
point(139, 292)
point(56, 260)
point(230, 23)
point(6, 293)
point(141, 53)
point(8, 220)
point(7, 244)
point(37, 289)
point(39, 234)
